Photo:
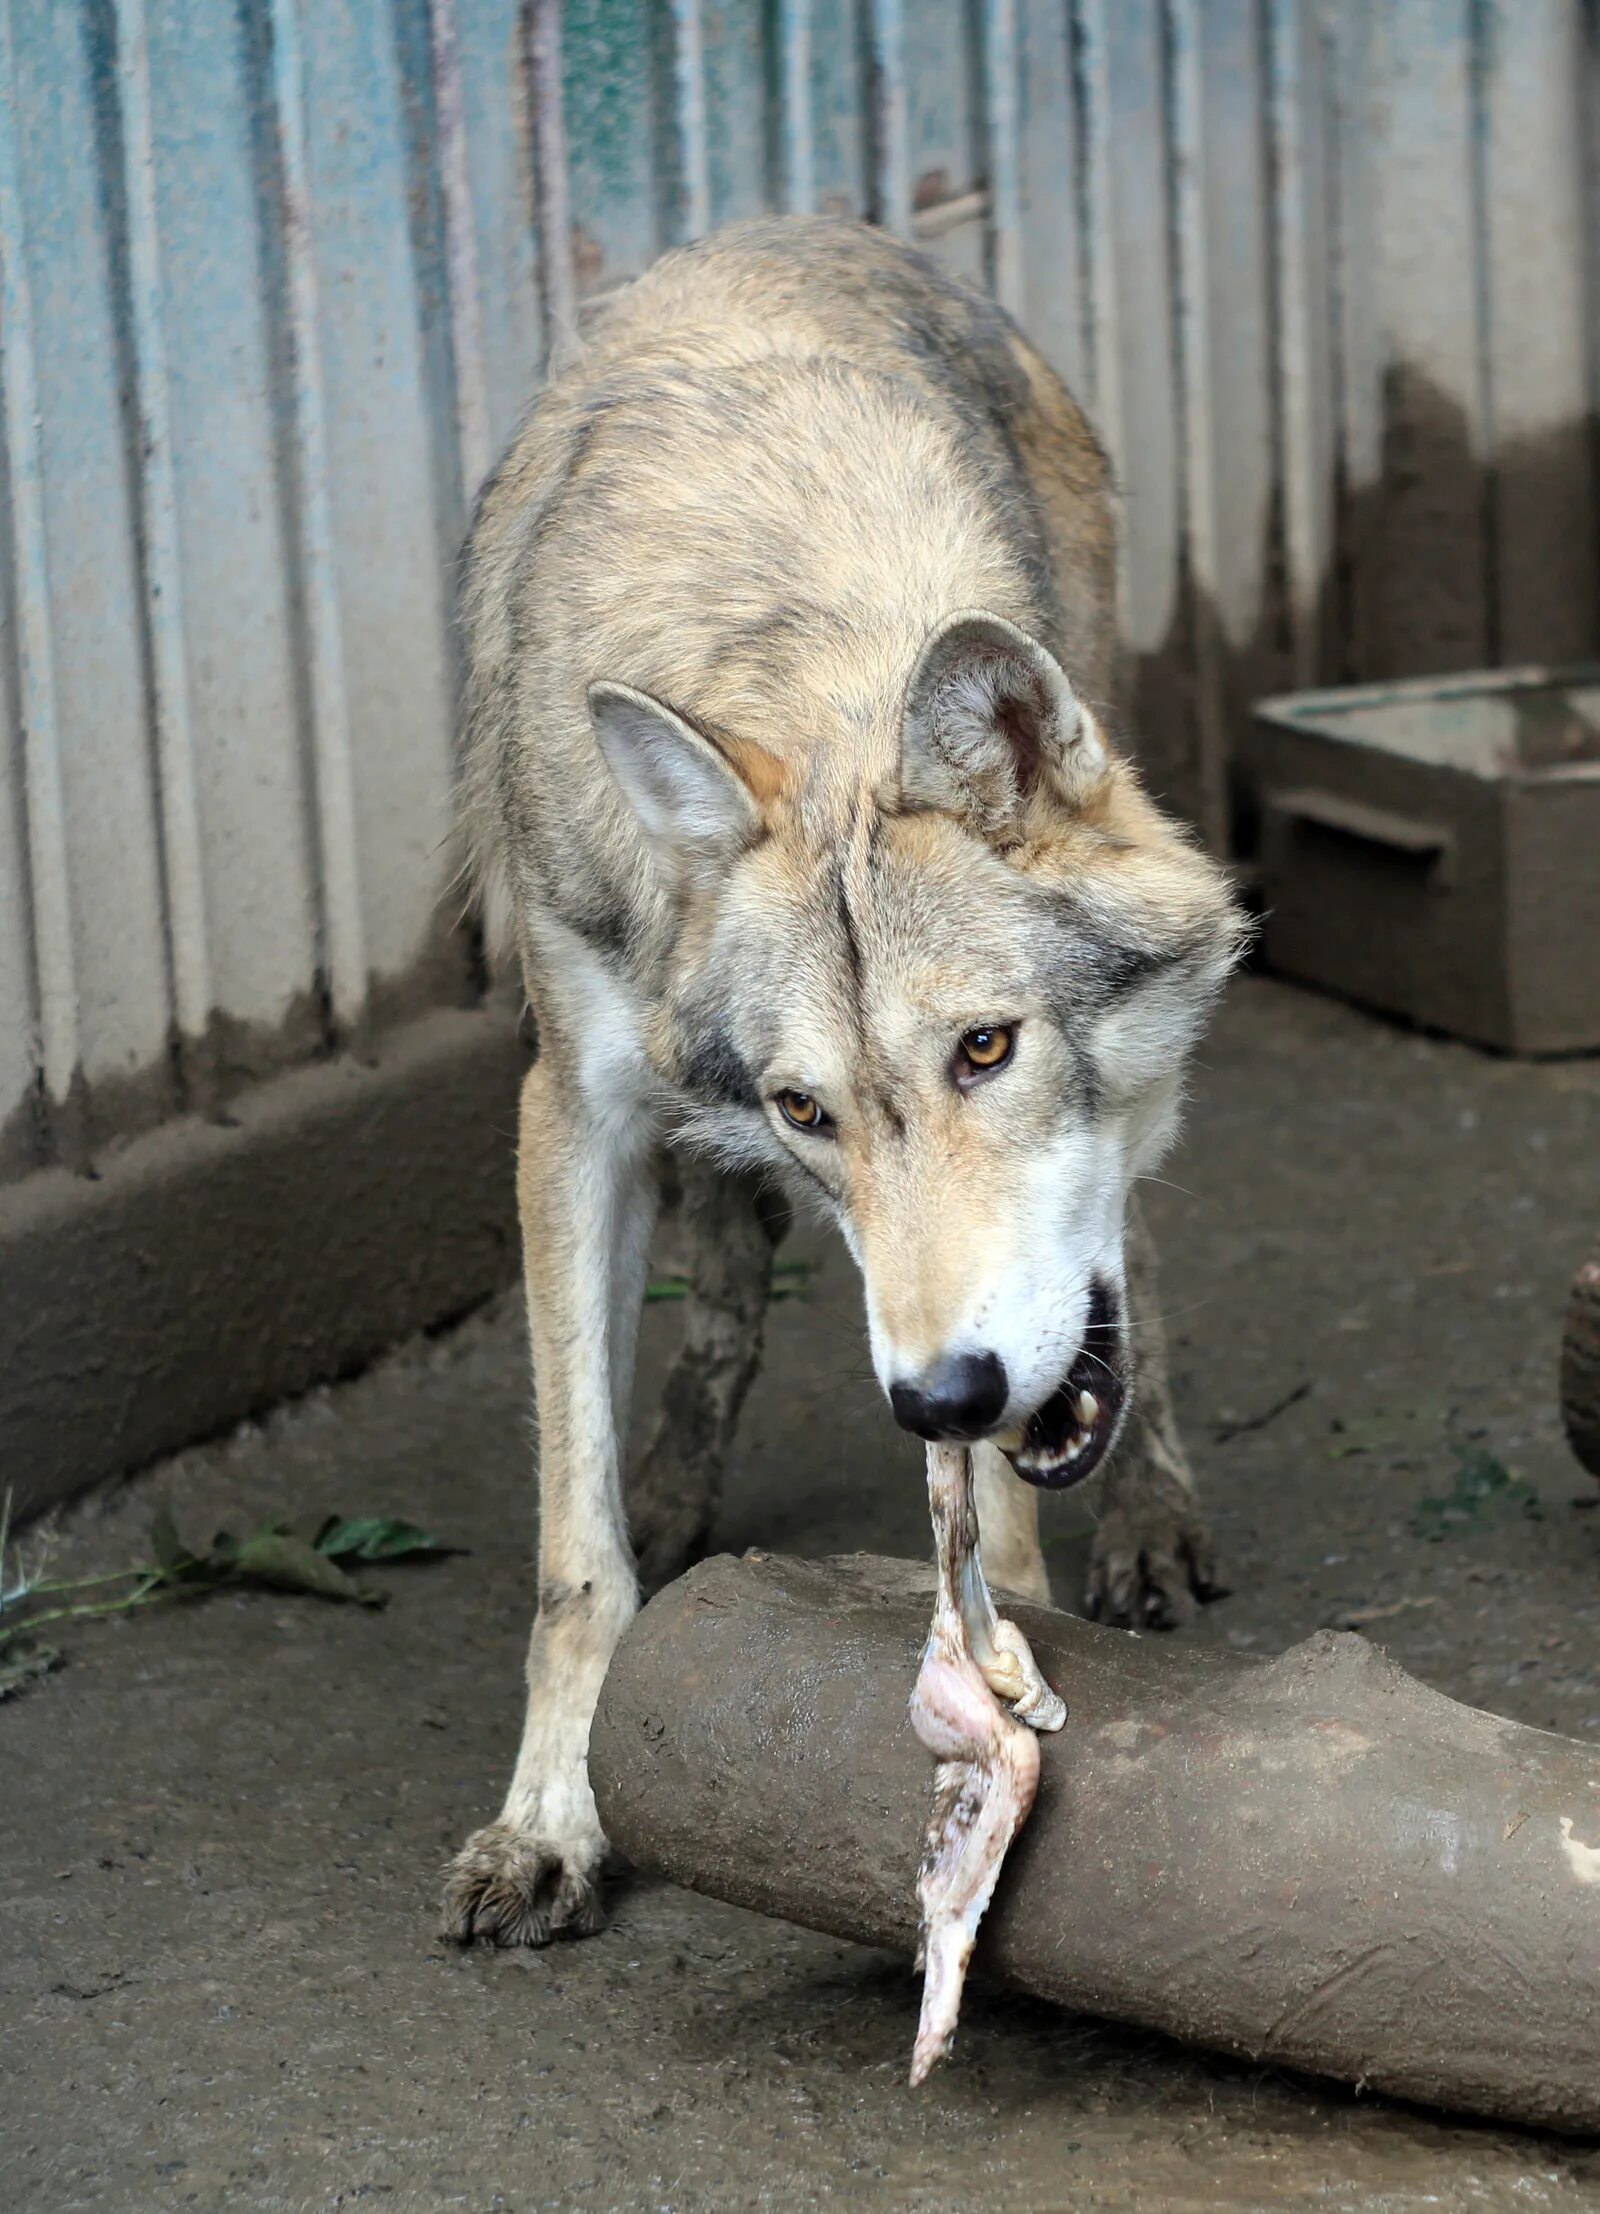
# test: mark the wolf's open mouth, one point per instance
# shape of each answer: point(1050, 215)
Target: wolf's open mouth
point(1066, 1439)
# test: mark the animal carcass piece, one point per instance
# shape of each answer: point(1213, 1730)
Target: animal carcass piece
point(988, 1757)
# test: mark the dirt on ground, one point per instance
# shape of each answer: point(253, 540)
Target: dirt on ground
point(221, 1824)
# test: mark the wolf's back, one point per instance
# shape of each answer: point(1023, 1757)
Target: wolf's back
point(779, 460)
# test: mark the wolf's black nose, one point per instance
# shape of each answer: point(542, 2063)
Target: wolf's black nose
point(961, 1396)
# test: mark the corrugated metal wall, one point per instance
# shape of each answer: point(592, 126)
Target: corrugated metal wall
point(277, 276)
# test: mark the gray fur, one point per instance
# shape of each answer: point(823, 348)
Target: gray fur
point(786, 754)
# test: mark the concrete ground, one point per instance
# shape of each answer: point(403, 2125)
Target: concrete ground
point(221, 1825)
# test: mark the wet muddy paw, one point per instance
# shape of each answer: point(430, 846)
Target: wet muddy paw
point(507, 1887)
point(1152, 1560)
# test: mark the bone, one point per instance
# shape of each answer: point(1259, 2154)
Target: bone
point(1313, 1862)
point(988, 1762)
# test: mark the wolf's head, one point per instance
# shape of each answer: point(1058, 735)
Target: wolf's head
point(954, 1003)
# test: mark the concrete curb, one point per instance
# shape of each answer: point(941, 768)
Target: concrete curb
point(211, 1268)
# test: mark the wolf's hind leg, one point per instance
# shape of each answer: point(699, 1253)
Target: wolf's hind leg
point(731, 1226)
point(586, 1196)
point(1152, 1556)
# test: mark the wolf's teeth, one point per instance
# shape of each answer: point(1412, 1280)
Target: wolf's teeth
point(1088, 1409)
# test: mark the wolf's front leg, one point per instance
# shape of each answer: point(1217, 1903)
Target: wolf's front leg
point(1153, 1556)
point(1008, 1519)
point(586, 1199)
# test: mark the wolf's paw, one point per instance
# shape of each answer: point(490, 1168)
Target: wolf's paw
point(1152, 1560)
point(510, 1887)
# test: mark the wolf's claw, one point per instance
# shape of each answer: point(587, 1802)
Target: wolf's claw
point(1152, 1560)
point(505, 1887)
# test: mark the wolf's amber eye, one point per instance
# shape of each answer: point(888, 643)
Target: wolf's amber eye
point(988, 1048)
point(805, 1113)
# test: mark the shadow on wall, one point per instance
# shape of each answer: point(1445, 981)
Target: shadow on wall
point(1452, 559)
point(202, 1075)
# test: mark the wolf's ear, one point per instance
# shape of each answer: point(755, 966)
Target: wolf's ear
point(990, 717)
point(692, 805)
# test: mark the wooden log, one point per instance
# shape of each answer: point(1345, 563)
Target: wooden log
point(1315, 1861)
point(1580, 1367)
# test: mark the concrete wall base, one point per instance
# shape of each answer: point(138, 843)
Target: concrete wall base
point(210, 1268)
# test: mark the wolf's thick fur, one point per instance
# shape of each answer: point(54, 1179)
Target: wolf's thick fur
point(790, 640)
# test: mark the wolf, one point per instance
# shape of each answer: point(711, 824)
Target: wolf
point(789, 675)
